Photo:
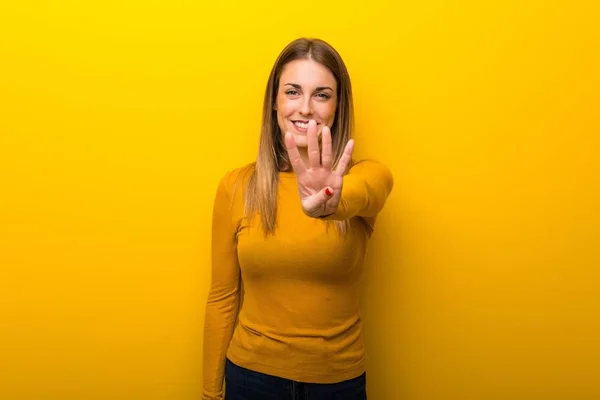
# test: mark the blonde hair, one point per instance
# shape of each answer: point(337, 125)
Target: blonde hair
point(261, 194)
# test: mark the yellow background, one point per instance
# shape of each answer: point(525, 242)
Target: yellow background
point(118, 118)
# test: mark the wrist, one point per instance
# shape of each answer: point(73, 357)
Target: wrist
point(326, 215)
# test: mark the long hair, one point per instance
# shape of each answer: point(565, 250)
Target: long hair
point(261, 195)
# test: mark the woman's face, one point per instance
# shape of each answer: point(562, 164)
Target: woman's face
point(307, 90)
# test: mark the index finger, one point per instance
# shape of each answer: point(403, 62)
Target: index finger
point(345, 159)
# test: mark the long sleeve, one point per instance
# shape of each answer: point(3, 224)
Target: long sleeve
point(223, 298)
point(366, 189)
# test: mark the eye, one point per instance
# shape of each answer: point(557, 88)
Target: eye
point(291, 92)
point(323, 96)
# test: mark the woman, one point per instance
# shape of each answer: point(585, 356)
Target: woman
point(292, 228)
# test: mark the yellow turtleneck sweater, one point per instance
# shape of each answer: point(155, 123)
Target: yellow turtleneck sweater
point(299, 316)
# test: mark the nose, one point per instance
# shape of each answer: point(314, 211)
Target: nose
point(306, 108)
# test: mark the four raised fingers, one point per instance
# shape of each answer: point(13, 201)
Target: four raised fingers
point(317, 158)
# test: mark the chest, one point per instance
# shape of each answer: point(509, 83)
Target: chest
point(302, 247)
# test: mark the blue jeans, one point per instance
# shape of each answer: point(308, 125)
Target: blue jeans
point(243, 384)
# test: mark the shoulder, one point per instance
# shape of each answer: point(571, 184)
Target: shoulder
point(236, 180)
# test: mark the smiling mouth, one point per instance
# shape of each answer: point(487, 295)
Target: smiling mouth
point(302, 124)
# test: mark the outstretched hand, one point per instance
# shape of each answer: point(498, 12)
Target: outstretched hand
point(319, 185)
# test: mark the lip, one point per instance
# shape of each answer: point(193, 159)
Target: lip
point(299, 129)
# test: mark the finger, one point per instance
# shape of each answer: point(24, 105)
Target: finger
point(294, 154)
point(326, 157)
point(314, 155)
point(318, 201)
point(345, 159)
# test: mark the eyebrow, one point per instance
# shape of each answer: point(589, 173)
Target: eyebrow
point(295, 85)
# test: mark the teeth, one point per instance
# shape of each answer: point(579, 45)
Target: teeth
point(300, 124)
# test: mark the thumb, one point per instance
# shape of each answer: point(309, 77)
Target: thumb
point(324, 195)
point(315, 206)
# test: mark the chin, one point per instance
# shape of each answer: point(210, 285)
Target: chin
point(301, 140)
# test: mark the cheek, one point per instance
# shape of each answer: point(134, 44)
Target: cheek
point(328, 113)
point(284, 108)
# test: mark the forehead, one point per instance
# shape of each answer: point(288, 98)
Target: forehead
point(307, 73)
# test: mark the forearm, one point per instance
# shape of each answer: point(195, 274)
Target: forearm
point(221, 314)
point(364, 192)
